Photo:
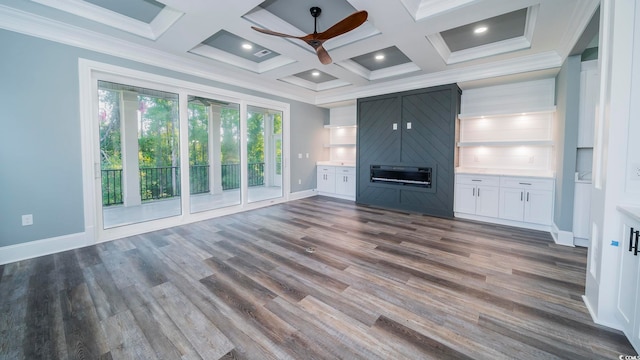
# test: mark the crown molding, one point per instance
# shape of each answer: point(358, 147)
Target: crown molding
point(524, 64)
point(44, 28)
point(579, 20)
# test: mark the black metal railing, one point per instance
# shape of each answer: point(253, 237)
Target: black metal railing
point(164, 182)
point(198, 179)
point(230, 174)
point(159, 182)
point(255, 174)
point(111, 187)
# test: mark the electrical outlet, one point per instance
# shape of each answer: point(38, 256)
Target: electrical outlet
point(307, 155)
point(299, 156)
point(299, 181)
point(635, 171)
point(27, 220)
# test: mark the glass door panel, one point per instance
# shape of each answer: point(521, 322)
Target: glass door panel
point(264, 153)
point(214, 154)
point(139, 154)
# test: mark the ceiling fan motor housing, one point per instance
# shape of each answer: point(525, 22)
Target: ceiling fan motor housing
point(315, 11)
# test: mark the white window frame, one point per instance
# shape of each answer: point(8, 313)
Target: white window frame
point(89, 73)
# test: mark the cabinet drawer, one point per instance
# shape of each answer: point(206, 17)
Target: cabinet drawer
point(478, 180)
point(326, 169)
point(526, 183)
point(343, 170)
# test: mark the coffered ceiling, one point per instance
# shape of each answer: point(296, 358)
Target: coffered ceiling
point(404, 44)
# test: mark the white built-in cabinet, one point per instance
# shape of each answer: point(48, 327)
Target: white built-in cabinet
point(505, 170)
point(478, 195)
point(526, 199)
point(510, 200)
point(628, 307)
point(337, 181)
point(346, 181)
point(326, 182)
point(337, 176)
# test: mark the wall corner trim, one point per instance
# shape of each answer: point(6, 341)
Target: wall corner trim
point(562, 237)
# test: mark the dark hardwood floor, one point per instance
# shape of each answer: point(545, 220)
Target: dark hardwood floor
point(311, 279)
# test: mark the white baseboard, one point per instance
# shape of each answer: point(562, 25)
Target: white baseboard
point(581, 242)
point(302, 194)
point(499, 221)
point(337, 196)
point(562, 237)
point(611, 324)
point(33, 249)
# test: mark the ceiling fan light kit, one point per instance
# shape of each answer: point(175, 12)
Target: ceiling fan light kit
point(316, 39)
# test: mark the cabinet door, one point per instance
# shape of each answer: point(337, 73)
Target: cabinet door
point(465, 198)
point(511, 204)
point(582, 211)
point(326, 182)
point(345, 185)
point(626, 306)
point(589, 87)
point(487, 201)
point(538, 207)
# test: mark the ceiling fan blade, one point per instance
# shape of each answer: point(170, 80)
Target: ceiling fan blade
point(345, 25)
point(323, 55)
point(269, 32)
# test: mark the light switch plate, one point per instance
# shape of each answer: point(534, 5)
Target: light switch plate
point(27, 220)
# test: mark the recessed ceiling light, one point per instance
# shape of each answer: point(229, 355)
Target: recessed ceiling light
point(480, 30)
point(247, 46)
point(379, 57)
point(315, 73)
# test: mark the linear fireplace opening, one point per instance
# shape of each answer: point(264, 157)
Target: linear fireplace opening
point(414, 176)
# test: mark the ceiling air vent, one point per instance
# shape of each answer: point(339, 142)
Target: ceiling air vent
point(262, 53)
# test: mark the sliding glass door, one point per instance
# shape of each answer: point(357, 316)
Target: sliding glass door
point(164, 153)
point(139, 154)
point(264, 153)
point(214, 154)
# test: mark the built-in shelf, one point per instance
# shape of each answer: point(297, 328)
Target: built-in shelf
point(507, 143)
point(331, 126)
point(339, 145)
point(545, 110)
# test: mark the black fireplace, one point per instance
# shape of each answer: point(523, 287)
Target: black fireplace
point(401, 175)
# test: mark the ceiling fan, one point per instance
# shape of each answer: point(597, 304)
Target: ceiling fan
point(316, 39)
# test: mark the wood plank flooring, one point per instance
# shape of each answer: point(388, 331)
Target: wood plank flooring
point(316, 278)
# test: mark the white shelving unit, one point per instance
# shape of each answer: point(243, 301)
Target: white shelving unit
point(336, 177)
point(508, 128)
point(342, 135)
point(506, 154)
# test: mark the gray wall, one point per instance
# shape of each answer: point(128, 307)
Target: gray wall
point(567, 107)
point(40, 159)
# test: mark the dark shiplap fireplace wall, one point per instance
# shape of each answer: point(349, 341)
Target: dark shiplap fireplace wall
point(413, 128)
